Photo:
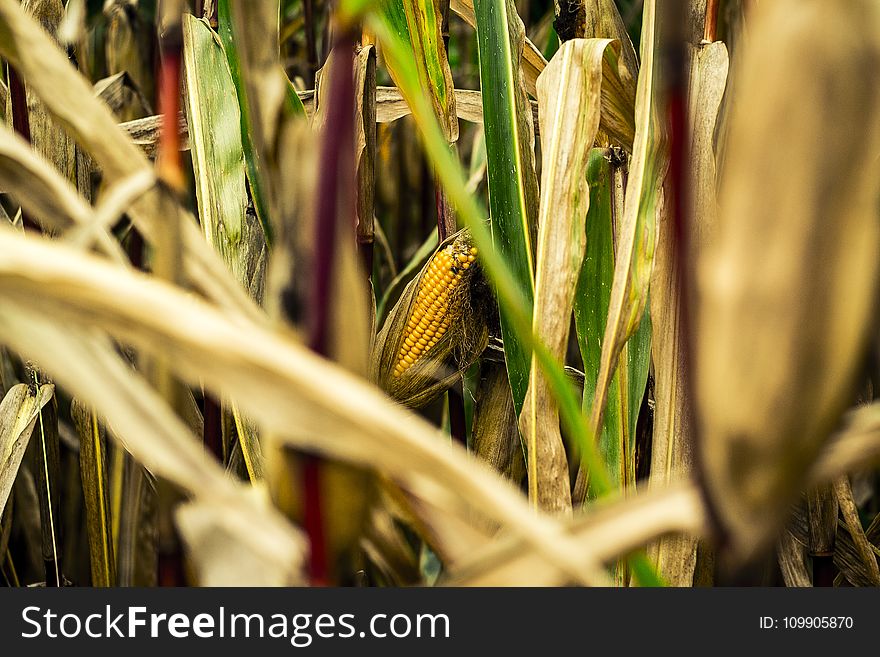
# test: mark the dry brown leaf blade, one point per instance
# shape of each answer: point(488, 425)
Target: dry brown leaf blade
point(271, 377)
point(569, 98)
point(69, 97)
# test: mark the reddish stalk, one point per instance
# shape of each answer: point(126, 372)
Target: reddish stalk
point(335, 207)
point(170, 569)
point(212, 431)
point(311, 46)
point(710, 31)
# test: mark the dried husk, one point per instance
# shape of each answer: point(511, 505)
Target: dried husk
point(494, 435)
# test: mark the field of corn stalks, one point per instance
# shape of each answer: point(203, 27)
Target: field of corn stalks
point(439, 292)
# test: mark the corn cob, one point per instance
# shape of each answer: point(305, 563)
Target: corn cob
point(437, 328)
point(430, 317)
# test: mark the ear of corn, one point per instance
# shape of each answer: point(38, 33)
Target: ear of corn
point(436, 330)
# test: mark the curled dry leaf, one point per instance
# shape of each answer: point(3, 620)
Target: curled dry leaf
point(70, 98)
point(569, 93)
point(637, 232)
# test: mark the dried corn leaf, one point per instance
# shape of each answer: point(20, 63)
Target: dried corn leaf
point(848, 558)
point(569, 92)
point(791, 282)
point(605, 534)
point(123, 96)
point(18, 413)
point(294, 392)
point(127, 47)
point(793, 562)
point(850, 516)
point(224, 548)
point(494, 435)
point(602, 20)
point(45, 135)
point(71, 100)
point(145, 133)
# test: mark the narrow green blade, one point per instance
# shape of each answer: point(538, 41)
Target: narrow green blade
point(590, 312)
point(215, 140)
point(513, 184)
point(255, 65)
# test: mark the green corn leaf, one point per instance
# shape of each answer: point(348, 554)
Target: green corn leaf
point(256, 68)
point(96, 494)
point(637, 230)
point(513, 184)
point(213, 120)
point(627, 387)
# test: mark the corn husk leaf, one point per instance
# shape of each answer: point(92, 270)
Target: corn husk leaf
point(412, 268)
